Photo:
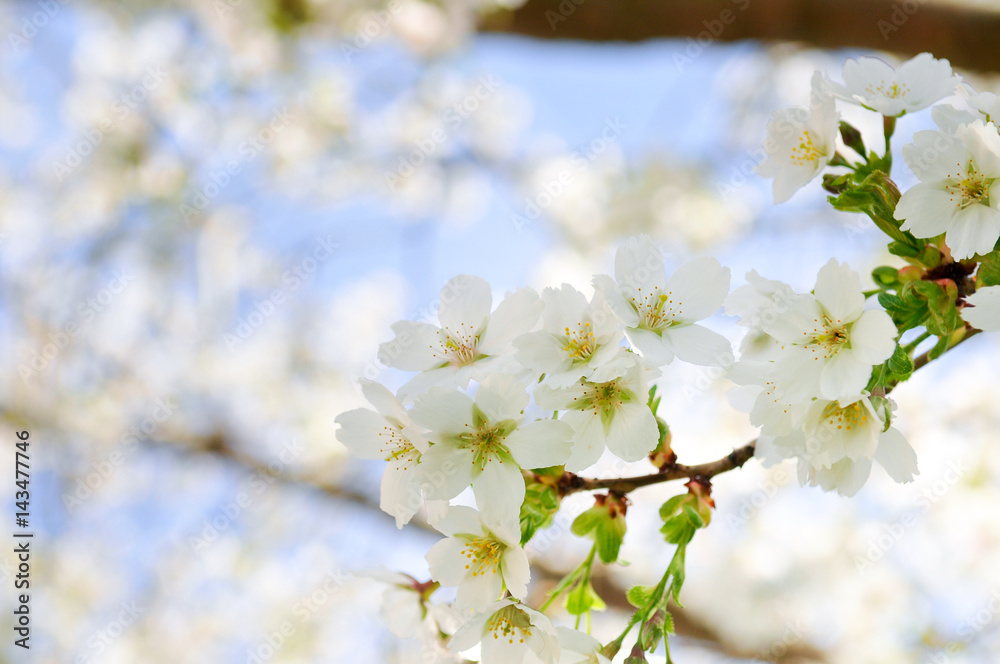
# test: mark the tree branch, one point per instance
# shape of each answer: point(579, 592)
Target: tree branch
point(573, 483)
point(964, 35)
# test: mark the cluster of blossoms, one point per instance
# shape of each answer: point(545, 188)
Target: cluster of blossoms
point(512, 400)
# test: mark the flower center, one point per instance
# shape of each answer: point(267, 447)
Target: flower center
point(892, 91)
point(458, 347)
point(580, 343)
point(486, 439)
point(483, 555)
point(656, 310)
point(827, 338)
point(849, 417)
point(397, 448)
point(806, 152)
point(973, 188)
point(509, 623)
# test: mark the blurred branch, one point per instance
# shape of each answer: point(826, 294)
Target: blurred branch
point(964, 35)
point(687, 625)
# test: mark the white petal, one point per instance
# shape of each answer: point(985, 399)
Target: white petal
point(516, 572)
point(844, 376)
point(417, 346)
point(639, 265)
point(401, 611)
point(501, 397)
point(384, 401)
point(360, 432)
point(445, 561)
point(470, 633)
point(616, 299)
point(446, 471)
point(516, 314)
point(480, 591)
point(633, 432)
point(401, 495)
point(793, 319)
point(442, 411)
point(540, 444)
point(542, 352)
point(699, 286)
point(699, 345)
point(499, 490)
point(588, 439)
point(873, 337)
point(896, 456)
point(974, 230)
point(985, 310)
point(838, 289)
point(465, 304)
point(652, 346)
point(460, 519)
point(445, 377)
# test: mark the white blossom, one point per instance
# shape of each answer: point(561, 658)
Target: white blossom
point(984, 309)
point(486, 442)
point(660, 314)
point(874, 84)
point(959, 189)
point(576, 337)
point(470, 343)
point(481, 560)
point(387, 433)
point(508, 632)
point(607, 410)
point(799, 144)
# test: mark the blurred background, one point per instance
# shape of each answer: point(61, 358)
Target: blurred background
point(211, 212)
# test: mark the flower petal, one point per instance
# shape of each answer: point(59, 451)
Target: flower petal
point(516, 314)
point(361, 433)
point(838, 290)
point(466, 301)
point(844, 376)
point(499, 490)
point(985, 310)
point(699, 287)
point(516, 572)
point(633, 432)
point(540, 444)
point(873, 337)
point(896, 456)
point(401, 495)
point(699, 345)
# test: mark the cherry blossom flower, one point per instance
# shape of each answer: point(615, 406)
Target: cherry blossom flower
point(607, 410)
point(829, 341)
point(579, 647)
point(660, 314)
point(470, 343)
point(874, 84)
point(985, 310)
point(481, 560)
point(387, 433)
point(483, 442)
point(800, 144)
point(576, 337)
point(836, 443)
point(509, 632)
point(958, 193)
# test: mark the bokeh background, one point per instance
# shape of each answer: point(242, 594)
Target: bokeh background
point(211, 212)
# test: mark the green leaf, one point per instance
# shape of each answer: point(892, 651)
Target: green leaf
point(609, 535)
point(939, 348)
point(900, 364)
point(640, 596)
point(541, 502)
point(587, 521)
point(906, 312)
point(989, 271)
point(584, 598)
point(944, 318)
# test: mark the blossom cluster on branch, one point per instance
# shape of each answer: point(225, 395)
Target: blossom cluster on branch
point(515, 400)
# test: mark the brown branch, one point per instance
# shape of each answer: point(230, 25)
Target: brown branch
point(964, 35)
point(923, 359)
point(735, 459)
